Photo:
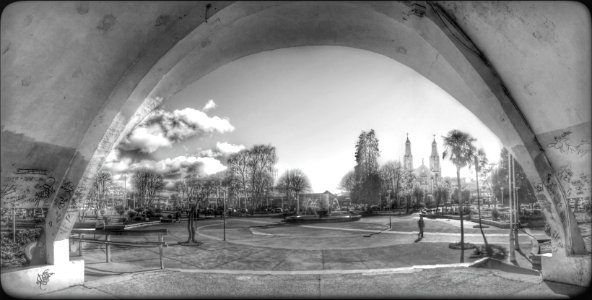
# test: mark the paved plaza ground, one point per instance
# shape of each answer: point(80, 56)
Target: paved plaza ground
point(264, 257)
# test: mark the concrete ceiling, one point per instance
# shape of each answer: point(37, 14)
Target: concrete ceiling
point(76, 76)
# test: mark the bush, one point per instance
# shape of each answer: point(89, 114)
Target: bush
point(158, 210)
point(495, 214)
point(11, 252)
point(547, 230)
point(120, 210)
point(132, 214)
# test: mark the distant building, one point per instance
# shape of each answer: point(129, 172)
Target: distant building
point(426, 177)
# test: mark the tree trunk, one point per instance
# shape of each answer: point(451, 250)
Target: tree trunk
point(462, 231)
point(191, 225)
point(487, 249)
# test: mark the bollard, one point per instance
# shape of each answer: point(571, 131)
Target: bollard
point(107, 248)
point(80, 244)
point(161, 240)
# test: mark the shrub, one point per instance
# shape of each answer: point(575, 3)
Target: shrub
point(132, 214)
point(547, 230)
point(495, 214)
point(158, 210)
point(11, 252)
point(120, 210)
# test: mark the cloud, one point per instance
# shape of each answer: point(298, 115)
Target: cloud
point(145, 139)
point(171, 168)
point(200, 120)
point(227, 148)
point(211, 165)
point(209, 105)
point(163, 128)
point(222, 150)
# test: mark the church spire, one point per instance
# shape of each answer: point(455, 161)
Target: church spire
point(408, 160)
point(435, 160)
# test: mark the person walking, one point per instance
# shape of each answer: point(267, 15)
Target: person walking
point(420, 223)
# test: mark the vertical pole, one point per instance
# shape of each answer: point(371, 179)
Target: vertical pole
point(161, 240)
point(80, 244)
point(107, 248)
point(511, 202)
point(14, 225)
point(516, 207)
point(125, 191)
point(224, 213)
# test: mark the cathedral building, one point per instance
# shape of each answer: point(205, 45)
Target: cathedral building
point(427, 178)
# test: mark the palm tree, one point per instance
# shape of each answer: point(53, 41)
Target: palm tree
point(460, 150)
point(481, 161)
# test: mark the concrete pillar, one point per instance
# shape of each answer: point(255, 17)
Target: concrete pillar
point(58, 252)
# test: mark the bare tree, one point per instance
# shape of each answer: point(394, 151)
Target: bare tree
point(284, 184)
point(148, 184)
point(102, 183)
point(252, 171)
point(199, 189)
point(261, 162)
point(348, 182)
point(390, 174)
point(238, 174)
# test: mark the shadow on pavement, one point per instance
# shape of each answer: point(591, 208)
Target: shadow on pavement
point(566, 289)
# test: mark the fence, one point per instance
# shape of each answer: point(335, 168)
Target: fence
point(108, 243)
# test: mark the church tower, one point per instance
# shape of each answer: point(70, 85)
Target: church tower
point(408, 160)
point(435, 161)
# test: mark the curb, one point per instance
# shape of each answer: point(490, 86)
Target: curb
point(492, 263)
point(326, 272)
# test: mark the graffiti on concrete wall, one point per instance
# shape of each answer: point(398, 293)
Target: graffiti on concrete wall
point(43, 279)
point(27, 188)
point(564, 145)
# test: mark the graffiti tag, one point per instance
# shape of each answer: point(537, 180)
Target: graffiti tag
point(43, 278)
point(561, 143)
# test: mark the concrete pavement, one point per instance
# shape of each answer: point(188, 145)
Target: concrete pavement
point(262, 258)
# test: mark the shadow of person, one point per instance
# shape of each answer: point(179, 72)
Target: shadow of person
point(418, 239)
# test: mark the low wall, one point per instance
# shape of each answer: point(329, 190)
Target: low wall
point(38, 280)
point(566, 269)
point(503, 225)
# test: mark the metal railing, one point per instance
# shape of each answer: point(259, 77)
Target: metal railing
point(160, 233)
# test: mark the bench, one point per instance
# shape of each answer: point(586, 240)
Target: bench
point(110, 232)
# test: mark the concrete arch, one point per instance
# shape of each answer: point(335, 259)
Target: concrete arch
point(419, 35)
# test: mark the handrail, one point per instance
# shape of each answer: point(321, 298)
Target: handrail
point(136, 232)
point(108, 233)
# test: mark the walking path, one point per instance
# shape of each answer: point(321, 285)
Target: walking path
point(264, 258)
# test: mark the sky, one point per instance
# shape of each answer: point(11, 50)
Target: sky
point(311, 103)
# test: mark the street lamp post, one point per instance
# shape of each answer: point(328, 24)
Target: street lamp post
point(125, 190)
point(224, 212)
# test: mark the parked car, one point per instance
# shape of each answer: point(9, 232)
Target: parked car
point(244, 210)
point(278, 210)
